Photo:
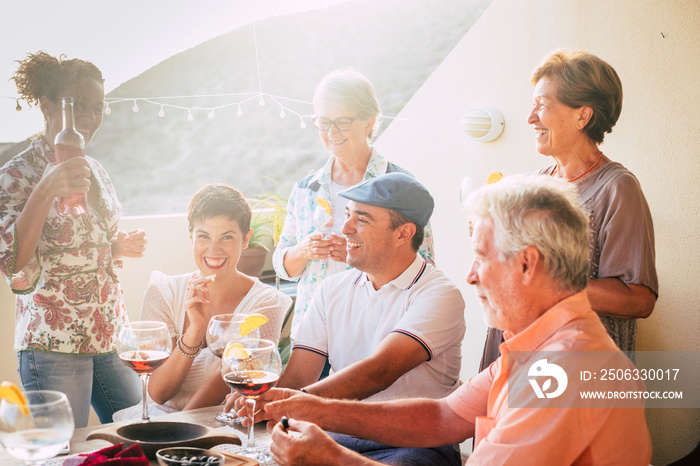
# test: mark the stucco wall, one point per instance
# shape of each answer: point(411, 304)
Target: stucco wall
point(654, 46)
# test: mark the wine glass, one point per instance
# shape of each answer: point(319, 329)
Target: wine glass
point(221, 330)
point(39, 429)
point(144, 346)
point(251, 367)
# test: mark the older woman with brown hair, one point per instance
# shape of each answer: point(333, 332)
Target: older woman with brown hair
point(577, 100)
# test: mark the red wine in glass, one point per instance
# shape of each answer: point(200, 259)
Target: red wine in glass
point(251, 383)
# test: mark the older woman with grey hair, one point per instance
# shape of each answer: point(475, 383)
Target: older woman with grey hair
point(577, 100)
point(311, 246)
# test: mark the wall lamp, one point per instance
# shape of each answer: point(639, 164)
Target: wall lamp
point(484, 124)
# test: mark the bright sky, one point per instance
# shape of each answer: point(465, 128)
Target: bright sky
point(107, 32)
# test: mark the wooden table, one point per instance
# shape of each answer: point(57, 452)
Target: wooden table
point(203, 416)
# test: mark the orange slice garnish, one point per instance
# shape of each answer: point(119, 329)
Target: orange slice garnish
point(325, 205)
point(12, 394)
point(493, 177)
point(236, 351)
point(252, 322)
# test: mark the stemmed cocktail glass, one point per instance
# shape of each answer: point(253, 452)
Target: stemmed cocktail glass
point(144, 346)
point(221, 330)
point(251, 367)
point(37, 429)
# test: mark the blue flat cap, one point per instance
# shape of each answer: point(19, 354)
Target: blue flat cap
point(395, 191)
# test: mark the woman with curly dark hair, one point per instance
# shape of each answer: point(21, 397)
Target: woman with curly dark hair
point(69, 307)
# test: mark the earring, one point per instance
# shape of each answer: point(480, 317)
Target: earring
point(18, 107)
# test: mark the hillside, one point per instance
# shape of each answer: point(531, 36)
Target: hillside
point(156, 163)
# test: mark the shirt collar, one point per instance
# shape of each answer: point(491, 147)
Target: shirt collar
point(375, 167)
point(42, 148)
point(406, 280)
point(538, 332)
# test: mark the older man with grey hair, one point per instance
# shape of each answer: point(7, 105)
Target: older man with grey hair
point(530, 270)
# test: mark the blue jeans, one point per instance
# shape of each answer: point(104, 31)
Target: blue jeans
point(102, 381)
point(446, 455)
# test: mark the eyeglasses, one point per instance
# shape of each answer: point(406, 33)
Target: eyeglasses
point(342, 123)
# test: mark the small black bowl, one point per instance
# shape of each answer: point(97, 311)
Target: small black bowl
point(185, 456)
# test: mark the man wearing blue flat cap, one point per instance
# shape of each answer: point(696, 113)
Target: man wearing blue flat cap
point(392, 327)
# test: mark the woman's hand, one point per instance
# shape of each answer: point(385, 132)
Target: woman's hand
point(66, 178)
point(316, 246)
point(197, 308)
point(339, 252)
point(63, 179)
point(131, 244)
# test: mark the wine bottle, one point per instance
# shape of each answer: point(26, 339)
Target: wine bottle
point(70, 143)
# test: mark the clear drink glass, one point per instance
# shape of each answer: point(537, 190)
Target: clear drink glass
point(251, 367)
point(323, 221)
point(221, 330)
point(144, 346)
point(38, 430)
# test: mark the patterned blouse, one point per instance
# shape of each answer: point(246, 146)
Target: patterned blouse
point(299, 224)
point(68, 296)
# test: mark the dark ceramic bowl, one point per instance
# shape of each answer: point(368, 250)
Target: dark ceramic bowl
point(154, 436)
point(185, 456)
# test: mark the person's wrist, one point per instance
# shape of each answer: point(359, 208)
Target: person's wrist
point(191, 341)
point(304, 252)
point(187, 351)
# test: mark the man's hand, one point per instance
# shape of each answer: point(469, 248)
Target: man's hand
point(312, 447)
point(275, 394)
point(293, 403)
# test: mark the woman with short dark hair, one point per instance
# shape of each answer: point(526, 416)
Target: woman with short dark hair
point(219, 224)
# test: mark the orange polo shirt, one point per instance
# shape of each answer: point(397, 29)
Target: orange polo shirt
point(550, 436)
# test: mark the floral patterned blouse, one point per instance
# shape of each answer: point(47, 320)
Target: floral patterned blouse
point(299, 224)
point(68, 296)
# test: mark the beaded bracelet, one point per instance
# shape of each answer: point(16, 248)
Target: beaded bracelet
point(197, 349)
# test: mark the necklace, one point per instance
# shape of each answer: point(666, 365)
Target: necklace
point(600, 155)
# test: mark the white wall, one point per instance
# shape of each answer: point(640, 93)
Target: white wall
point(654, 45)
point(168, 250)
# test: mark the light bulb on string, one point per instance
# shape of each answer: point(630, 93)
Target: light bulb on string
point(211, 114)
point(135, 108)
point(162, 111)
point(261, 101)
point(18, 107)
point(282, 114)
point(303, 124)
point(107, 109)
point(240, 110)
point(190, 117)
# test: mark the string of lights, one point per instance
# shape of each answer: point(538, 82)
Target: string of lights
point(243, 97)
point(211, 111)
